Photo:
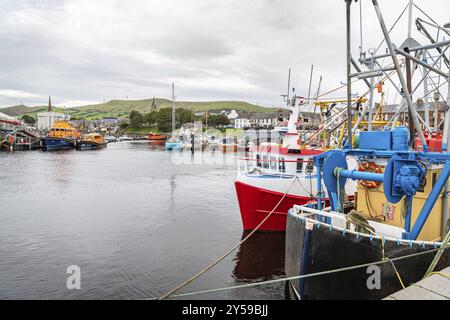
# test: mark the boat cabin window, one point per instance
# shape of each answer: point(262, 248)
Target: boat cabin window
point(282, 165)
point(299, 165)
point(258, 160)
point(309, 167)
point(265, 162)
point(273, 163)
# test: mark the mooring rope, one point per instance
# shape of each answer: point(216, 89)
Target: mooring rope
point(438, 255)
point(188, 281)
point(315, 274)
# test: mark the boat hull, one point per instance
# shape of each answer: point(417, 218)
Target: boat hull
point(173, 146)
point(256, 203)
point(53, 144)
point(311, 248)
point(88, 145)
point(157, 137)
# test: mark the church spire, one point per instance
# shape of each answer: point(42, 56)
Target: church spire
point(49, 108)
point(153, 106)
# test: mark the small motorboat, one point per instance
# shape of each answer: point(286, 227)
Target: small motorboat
point(91, 141)
point(156, 137)
point(174, 144)
point(111, 139)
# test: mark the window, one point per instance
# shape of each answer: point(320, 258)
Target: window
point(299, 165)
point(265, 162)
point(282, 165)
point(258, 160)
point(273, 163)
point(309, 167)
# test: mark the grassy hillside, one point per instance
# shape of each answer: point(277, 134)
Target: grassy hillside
point(19, 110)
point(121, 108)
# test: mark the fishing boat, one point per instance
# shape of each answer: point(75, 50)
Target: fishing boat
point(91, 141)
point(60, 137)
point(401, 210)
point(395, 231)
point(266, 177)
point(156, 137)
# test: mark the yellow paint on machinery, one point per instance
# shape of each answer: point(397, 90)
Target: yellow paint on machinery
point(373, 203)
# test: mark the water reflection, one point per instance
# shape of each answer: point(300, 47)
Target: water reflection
point(261, 257)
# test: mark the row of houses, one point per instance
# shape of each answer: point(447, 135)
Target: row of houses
point(262, 120)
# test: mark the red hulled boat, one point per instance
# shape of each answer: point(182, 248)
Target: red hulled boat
point(267, 175)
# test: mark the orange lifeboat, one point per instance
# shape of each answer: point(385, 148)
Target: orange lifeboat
point(156, 137)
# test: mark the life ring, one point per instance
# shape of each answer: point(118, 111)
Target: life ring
point(369, 167)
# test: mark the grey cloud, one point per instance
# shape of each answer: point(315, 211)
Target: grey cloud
point(237, 50)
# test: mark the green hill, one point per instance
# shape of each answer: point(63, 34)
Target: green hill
point(121, 108)
point(19, 110)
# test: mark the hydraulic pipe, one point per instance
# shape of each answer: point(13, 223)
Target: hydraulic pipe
point(359, 175)
point(429, 203)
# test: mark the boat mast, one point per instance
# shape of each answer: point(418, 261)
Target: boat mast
point(349, 79)
point(410, 7)
point(310, 81)
point(288, 87)
point(403, 83)
point(173, 107)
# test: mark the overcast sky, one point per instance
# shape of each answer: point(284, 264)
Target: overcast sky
point(84, 51)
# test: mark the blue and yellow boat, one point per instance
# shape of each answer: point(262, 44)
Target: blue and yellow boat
point(61, 136)
point(91, 141)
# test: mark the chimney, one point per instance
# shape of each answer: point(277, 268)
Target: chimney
point(49, 108)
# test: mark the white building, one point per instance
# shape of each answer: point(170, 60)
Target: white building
point(232, 115)
point(241, 122)
point(45, 120)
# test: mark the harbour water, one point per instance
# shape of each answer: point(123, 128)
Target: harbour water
point(134, 221)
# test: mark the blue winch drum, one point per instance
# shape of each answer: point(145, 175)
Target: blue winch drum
point(400, 139)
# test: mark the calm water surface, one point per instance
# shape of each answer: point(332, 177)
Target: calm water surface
point(135, 221)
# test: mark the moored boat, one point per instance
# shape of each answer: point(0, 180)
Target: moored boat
point(265, 180)
point(126, 138)
point(91, 141)
point(173, 145)
point(111, 139)
point(400, 212)
point(156, 137)
point(60, 137)
point(314, 246)
point(397, 232)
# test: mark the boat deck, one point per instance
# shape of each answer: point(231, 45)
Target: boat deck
point(434, 287)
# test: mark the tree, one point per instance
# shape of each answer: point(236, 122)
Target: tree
point(123, 125)
point(136, 119)
point(150, 119)
point(218, 121)
point(28, 119)
point(164, 118)
point(183, 116)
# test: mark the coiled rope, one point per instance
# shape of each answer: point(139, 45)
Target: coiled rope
point(211, 265)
